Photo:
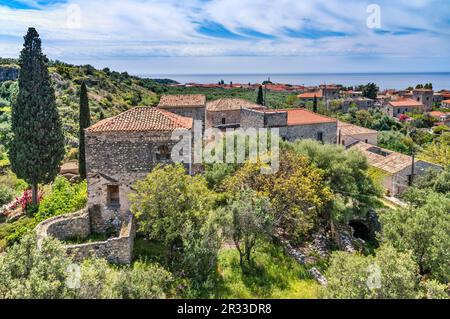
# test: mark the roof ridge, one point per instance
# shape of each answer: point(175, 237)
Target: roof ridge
point(174, 117)
point(108, 119)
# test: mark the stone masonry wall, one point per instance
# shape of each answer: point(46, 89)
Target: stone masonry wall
point(197, 113)
point(258, 119)
point(66, 226)
point(251, 118)
point(8, 73)
point(214, 118)
point(310, 131)
point(276, 119)
point(121, 159)
point(116, 250)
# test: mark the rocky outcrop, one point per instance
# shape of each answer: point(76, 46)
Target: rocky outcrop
point(301, 259)
point(9, 73)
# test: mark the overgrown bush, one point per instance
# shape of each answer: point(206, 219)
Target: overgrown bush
point(28, 272)
point(63, 198)
point(6, 195)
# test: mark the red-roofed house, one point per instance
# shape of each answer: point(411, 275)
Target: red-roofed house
point(189, 105)
point(446, 103)
point(442, 117)
point(309, 96)
point(122, 150)
point(294, 124)
point(403, 106)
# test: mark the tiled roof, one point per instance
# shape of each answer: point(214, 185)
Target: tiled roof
point(141, 119)
point(304, 117)
point(446, 101)
point(439, 114)
point(310, 95)
point(405, 102)
point(230, 104)
point(392, 163)
point(351, 129)
point(182, 100)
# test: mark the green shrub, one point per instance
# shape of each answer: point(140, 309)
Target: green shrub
point(6, 195)
point(63, 198)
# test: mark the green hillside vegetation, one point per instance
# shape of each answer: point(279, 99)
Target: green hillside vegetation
point(110, 93)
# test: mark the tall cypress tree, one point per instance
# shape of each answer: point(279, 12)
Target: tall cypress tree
point(315, 104)
point(37, 148)
point(260, 98)
point(85, 121)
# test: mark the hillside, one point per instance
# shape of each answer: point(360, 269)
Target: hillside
point(109, 92)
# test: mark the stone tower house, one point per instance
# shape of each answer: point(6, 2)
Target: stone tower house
point(425, 97)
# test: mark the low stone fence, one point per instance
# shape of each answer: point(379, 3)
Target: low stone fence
point(63, 227)
point(118, 250)
point(78, 225)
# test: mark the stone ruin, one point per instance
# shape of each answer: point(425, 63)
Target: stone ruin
point(118, 248)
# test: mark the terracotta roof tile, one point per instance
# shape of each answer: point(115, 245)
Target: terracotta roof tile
point(391, 162)
point(310, 95)
point(405, 102)
point(304, 117)
point(230, 104)
point(140, 119)
point(351, 129)
point(182, 100)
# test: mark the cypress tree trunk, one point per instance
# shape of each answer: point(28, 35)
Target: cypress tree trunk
point(34, 194)
point(37, 148)
point(84, 122)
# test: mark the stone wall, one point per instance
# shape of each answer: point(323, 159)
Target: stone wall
point(369, 138)
point(251, 118)
point(197, 113)
point(121, 159)
point(399, 181)
point(214, 118)
point(9, 73)
point(66, 226)
point(275, 119)
point(258, 119)
point(425, 97)
point(118, 250)
point(360, 103)
point(78, 225)
point(310, 131)
point(397, 111)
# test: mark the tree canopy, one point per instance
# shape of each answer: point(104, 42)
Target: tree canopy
point(38, 144)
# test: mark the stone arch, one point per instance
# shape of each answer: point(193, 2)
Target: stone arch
point(360, 229)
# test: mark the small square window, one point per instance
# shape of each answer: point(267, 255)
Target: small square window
point(223, 120)
point(163, 153)
point(113, 195)
point(320, 136)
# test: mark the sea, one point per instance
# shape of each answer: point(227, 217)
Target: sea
point(397, 81)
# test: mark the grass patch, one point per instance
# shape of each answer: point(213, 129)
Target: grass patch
point(274, 275)
point(148, 250)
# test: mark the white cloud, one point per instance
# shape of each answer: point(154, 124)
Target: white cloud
point(139, 28)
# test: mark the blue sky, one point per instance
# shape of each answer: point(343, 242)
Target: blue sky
point(235, 36)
